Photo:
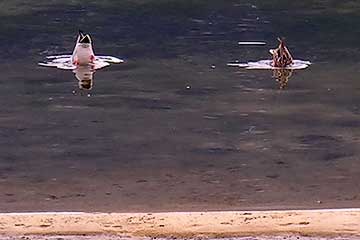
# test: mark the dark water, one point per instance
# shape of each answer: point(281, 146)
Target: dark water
point(174, 128)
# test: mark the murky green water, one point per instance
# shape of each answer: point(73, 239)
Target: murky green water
point(174, 128)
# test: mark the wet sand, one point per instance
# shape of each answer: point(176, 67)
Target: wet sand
point(329, 223)
point(174, 129)
point(113, 237)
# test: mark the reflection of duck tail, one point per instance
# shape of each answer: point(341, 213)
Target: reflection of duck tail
point(282, 76)
point(85, 76)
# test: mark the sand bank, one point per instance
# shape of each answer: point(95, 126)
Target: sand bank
point(186, 224)
point(115, 237)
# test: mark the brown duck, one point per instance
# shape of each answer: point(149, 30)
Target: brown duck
point(281, 55)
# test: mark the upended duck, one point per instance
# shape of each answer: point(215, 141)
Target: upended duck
point(281, 57)
point(83, 53)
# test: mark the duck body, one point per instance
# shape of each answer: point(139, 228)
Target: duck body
point(281, 56)
point(83, 53)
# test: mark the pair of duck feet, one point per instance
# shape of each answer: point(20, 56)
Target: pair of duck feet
point(91, 62)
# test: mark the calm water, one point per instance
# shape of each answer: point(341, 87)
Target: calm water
point(174, 128)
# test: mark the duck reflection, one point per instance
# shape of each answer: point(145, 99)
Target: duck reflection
point(85, 76)
point(282, 76)
point(281, 59)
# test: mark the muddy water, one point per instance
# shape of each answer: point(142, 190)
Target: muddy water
point(174, 128)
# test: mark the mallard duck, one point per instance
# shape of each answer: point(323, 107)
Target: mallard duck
point(83, 53)
point(281, 55)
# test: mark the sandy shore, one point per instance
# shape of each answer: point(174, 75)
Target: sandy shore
point(342, 222)
point(115, 237)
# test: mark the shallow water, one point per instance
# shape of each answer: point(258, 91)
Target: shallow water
point(174, 128)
